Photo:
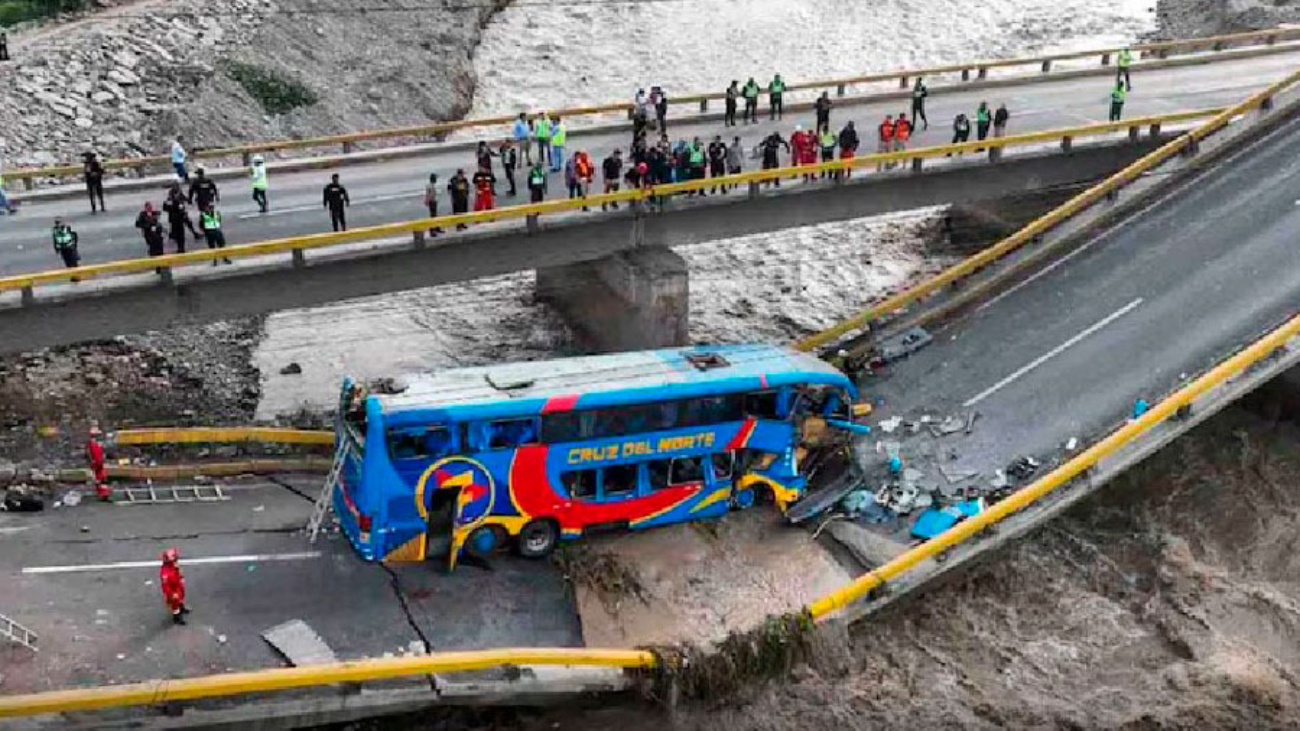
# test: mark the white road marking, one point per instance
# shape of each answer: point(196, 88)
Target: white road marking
point(18, 529)
point(1052, 353)
point(301, 209)
point(250, 558)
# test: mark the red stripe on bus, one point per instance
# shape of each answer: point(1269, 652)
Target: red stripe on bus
point(560, 403)
point(742, 437)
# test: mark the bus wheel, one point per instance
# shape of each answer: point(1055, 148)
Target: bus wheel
point(484, 540)
point(537, 539)
point(743, 499)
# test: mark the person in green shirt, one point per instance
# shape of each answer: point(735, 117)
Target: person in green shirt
point(559, 135)
point(542, 128)
point(1117, 98)
point(210, 224)
point(1122, 67)
point(983, 118)
point(775, 91)
point(750, 92)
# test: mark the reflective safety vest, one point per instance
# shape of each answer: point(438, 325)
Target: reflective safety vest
point(63, 238)
point(777, 86)
point(903, 130)
point(697, 155)
point(259, 177)
point(1125, 58)
point(543, 127)
point(558, 135)
point(210, 221)
point(982, 115)
point(536, 177)
point(827, 139)
point(1118, 95)
point(887, 130)
point(750, 91)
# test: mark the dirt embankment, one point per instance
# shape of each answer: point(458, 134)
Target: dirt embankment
point(1191, 18)
point(125, 79)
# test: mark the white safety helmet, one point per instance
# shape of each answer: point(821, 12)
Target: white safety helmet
point(257, 160)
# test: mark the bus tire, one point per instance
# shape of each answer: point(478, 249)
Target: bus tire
point(743, 499)
point(484, 540)
point(538, 539)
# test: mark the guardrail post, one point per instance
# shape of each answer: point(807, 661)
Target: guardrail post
point(902, 82)
point(839, 90)
point(1270, 40)
point(348, 147)
point(1154, 131)
point(631, 113)
point(704, 105)
point(1266, 104)
point(1218, 45)
point(995, 154)
point(165, 274)
point(965, 74)
point(299, 260)
point(1192, 147)
point(1105, 59)
point(28, 184)
point(917, 163)
point(248, 159)
point(418, 237)
point(532, 223)
point(984, 72)
point(1112, 195)
point(1133, 134)
point(29, 297)
point(753, 189)
point(140, 171)
point(1047, 65)
point(1162, 54)
point(1067, 143)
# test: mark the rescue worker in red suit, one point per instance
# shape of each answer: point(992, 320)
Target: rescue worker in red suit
point(484, 190)
point(804, 148)
point(173, 585)
point(95, 454)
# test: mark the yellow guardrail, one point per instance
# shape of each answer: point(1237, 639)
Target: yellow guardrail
point(1043, 224)
point(370, 233)
point(158, 692)
point(1058, 477)
point(214, 435)
point(1161, 49)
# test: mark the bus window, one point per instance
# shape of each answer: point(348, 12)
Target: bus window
point(685, 470)
point(657, 473)
point(711, 410)
point(581, 484)
point(619, 481)
point(429, 443)
point(562, 427)
point(761, 405)
point(510, 433)
point(723, 464)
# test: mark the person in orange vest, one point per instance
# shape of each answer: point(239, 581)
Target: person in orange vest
point(902, 133)
point(484, 190)
point(172, 584)
point(95, 455)
point(584, 171)
point(886, 138)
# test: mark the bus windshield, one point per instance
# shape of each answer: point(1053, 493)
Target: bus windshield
point(470, 460)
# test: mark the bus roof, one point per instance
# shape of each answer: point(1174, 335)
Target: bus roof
point(607, 380)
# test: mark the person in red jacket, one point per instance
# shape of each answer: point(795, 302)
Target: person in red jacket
point(484, 190)
point(173, 585)
point(95, 455)
point(886, 138)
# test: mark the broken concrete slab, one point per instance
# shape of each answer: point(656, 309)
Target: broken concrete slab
point(867, 546)
point(299, 643)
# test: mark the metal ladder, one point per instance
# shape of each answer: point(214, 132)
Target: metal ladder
point(323, 500)
point(17, 633)
point(151, 495)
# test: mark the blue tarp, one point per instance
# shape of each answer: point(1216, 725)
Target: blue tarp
point(933, 521)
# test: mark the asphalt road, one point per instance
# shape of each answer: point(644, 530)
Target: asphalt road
point(392, 191)
point(1142, 308)
point(102, 622)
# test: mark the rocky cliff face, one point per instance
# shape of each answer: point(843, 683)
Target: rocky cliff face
point(1190, 18)
point(125, 79)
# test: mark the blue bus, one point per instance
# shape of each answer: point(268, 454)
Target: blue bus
point(469, 459)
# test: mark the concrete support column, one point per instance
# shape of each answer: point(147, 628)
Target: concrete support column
point(632, 300)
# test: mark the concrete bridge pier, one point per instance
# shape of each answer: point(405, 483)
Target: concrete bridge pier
point(630, 300)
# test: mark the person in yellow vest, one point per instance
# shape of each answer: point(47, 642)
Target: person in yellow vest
point(210, 224)
point(258, 173)
point(65, 244)
point(1117, 97)
point(542, 128)
point(559, 134)
point(775, 95)
point(1125, 60)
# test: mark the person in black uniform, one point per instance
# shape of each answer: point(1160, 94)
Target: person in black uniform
point(93, 174)
point(771, 149)
point(203, 192)
point(458, 188)
point(335, 199)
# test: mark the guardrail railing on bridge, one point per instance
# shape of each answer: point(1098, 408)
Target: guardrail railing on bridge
point(296, 246)
point(973, 69)
point(165, 691)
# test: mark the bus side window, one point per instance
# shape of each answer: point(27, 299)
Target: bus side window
point(432, 442)
point(580, 484)
point(438, 442)
point(685, 470)
point(724, 464)
point(562, 427)
point(619, 481)
point(657, 473)
point(510, 433)
point(761, 405)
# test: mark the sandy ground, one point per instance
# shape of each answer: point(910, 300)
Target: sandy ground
point(699, 582)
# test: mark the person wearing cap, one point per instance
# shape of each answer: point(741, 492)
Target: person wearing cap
point(95, 456)
point(172, 583)
point(93, 174)
point(258, 174)
point(151, 228)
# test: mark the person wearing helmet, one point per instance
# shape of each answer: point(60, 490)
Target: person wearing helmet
point(95, 456)
point(258, 173)
point(173, 585)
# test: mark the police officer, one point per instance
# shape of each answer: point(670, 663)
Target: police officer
point(960, 130)
point(1117, 97)
point(559, 135)
point(537, 181)
point(1122, 68)
point(178, 217)
point(823, 108)
point(65, 244)
point(775, 93)
point(919, 93)
point(983, 118)
point(151, 229)
point(733, 94)
point(771, 149)
point(335, 198)
point(203, 192)
point(717, 161)
point(458, 187)
point(542, 129)
point(93, 174)
point(210, 222)
point(826, 140)
point(750, 92)
point(612, 173)
point(258, 173)
point(509, 161)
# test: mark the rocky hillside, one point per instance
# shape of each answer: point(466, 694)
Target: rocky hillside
point(126, 78)
point(1189, 18)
